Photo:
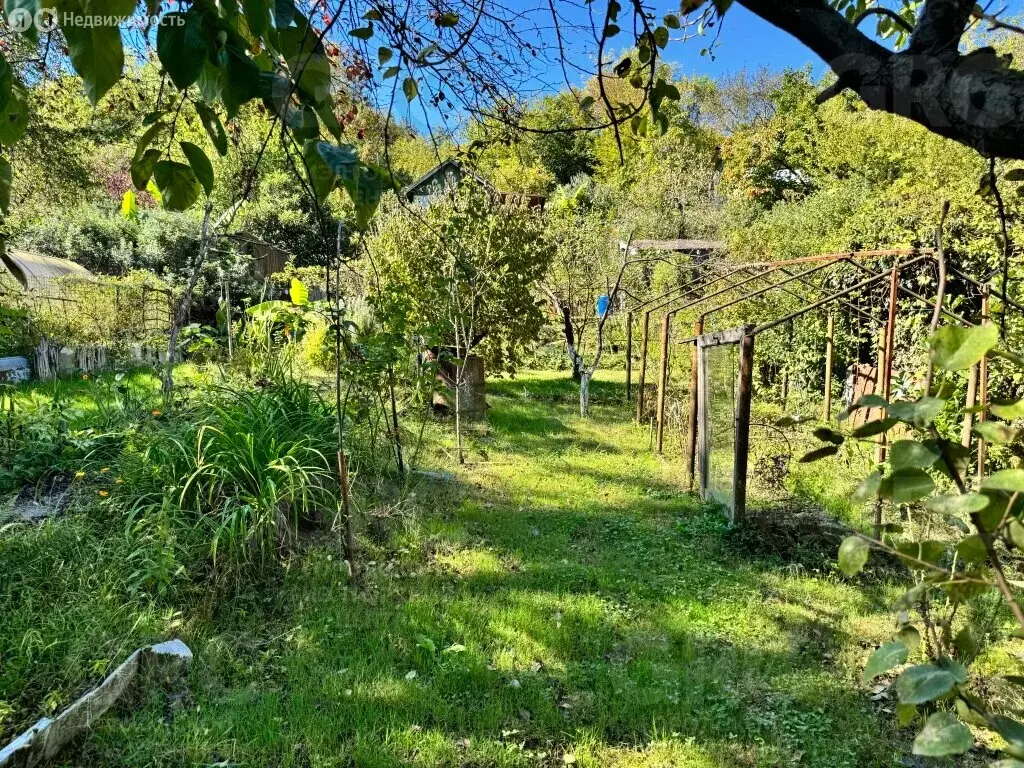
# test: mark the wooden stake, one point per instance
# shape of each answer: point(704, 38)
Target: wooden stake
point(983, 384)
point(885, 379)
point(972, 397)
point(629, 356)
point(829, 348)
point(744, 391)
point(663, 380)
point(691, 427)
point(643, 369)
point(346, 510)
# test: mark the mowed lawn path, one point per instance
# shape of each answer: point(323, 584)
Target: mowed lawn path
point(556, 601)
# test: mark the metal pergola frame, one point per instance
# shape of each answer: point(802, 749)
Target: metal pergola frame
point(749, 333)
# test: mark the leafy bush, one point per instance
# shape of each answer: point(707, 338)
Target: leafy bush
point(958, 537)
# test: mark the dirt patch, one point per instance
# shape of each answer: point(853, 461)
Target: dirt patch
point(39, 501)
point(799, 535)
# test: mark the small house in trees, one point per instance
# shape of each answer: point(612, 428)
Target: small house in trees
point(447, 175)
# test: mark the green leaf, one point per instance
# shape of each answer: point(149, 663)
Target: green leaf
point(971, 550)
point(955, 348)
point(943, 735)
point(661, 37)
point(906, 485)
point(864, 401)
point(6, 182)
point(919, 413)
point(1010, 730)
point(241, 82)
point(410, 88)
point(995, 432)
point(6, 81)
point(129, 206)
point(257, 15)
point(447, 19)
point(384, 55)
point(214, 127)
point(876, 427)
point(910, 637)
point(362, 33)
point(1005, 480)
point(201, 165)
point(671, 21)
point(868, 487)
point(365, 192)
point(321, 176)
point(284, 13)
point(923, 683)
point(142, 168)
point(586, 103)
point(853, 555)
point(819, 454)
point(927, 551)
point(14, 117)
point(305, 53)
point(1015, 532)
point(885, 658)
point(966, 645)
point(391, 72)
point(177, 183)
point(298, 292)
point(1014, 174)
point(905, 714)
point(827, 435)
point(1008, 409)
point(303, 123)
point(910, 453)
point(181, 46)
point(342, 159)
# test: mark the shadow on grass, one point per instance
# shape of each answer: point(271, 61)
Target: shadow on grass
point(516, 629)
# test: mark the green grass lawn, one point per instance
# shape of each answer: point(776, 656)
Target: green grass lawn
point(558, 601)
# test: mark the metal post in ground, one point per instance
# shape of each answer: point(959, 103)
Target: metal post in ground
point(643, 369)
point(744, 393)
point(829, 348)
point(629, 356)
point(885, 379)
point(691, 427)
point(663, 379)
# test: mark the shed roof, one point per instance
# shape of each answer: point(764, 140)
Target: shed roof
point(34, 270)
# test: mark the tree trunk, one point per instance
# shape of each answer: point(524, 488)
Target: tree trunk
point(181, 313)
point(585, 377)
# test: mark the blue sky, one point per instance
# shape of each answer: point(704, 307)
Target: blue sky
point(746, 42)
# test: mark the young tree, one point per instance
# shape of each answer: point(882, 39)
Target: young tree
point(463, 273)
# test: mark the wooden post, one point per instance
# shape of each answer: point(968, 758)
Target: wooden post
point(641, 383)
point(663, 379)
point(346, 510)
point(744, 392)
point(885, 380)
point(983, 385)
point(691, 427)
point(829, 347)
point(629, 356)
point(972, 397)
